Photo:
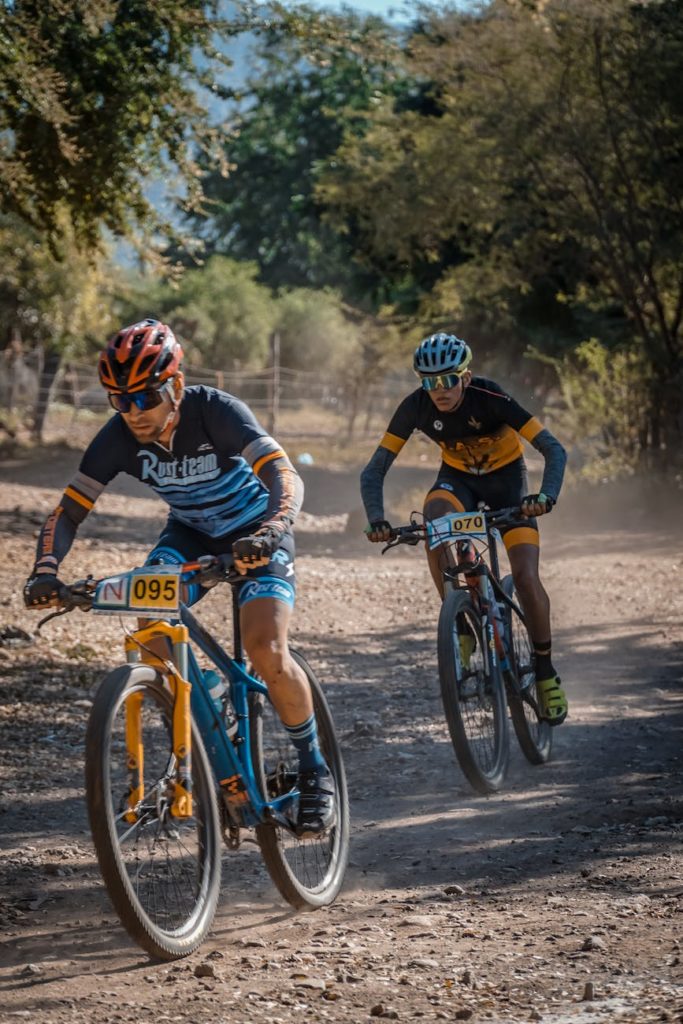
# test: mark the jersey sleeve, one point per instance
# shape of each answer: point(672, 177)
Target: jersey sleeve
point(401, 425)
point(233, 427)
point(99, 465)
point(532, 430)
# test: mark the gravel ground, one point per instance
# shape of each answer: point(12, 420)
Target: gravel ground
point(557, 900)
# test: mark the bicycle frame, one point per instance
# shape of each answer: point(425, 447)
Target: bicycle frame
point(483, 581)
point(231, 759)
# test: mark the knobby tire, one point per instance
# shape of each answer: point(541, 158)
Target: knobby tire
point(307, 872)
point(185, 853)
point(533, 734)
point(473, 695)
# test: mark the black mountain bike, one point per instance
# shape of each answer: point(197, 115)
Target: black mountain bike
point(485, 653)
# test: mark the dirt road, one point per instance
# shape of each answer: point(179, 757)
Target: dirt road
point(557, 900)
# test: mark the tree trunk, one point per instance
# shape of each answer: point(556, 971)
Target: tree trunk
point(53, 358)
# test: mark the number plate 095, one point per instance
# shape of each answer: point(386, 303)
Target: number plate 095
point(146, 591)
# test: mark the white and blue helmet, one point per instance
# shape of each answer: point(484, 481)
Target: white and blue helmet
point(442, 353)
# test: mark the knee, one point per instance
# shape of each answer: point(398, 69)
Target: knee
point(436, 507)
point(270, 658)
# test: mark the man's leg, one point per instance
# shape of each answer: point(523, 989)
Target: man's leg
point(264, 623)
point(524, 562)
point(440, 502)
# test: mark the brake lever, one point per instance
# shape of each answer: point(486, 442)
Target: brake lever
point(52, 615)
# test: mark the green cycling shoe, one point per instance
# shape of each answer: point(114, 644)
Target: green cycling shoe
point(552, 700)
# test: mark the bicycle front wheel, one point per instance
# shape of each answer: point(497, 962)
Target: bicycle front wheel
point(535, 736)
point(472, 693)
point(162, 873)
point(307, 872)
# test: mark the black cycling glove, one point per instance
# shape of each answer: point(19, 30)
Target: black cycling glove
point(43, 591)
point(378, 530)
point(541, 499)
point(258, 548)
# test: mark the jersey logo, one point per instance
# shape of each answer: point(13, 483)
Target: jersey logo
point(474, 423)
point(185, 472)
point(438, 425)
point(206, 447)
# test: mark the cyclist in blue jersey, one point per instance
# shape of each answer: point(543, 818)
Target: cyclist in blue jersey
point(230, 489)
point(478, 428)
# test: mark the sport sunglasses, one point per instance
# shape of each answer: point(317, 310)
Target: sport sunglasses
point(143, 400)
point(440, 380)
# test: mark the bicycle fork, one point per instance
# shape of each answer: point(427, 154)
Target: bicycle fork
point(175, 672)
point(477, 579)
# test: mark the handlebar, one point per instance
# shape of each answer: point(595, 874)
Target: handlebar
point(413, 533)
point(208, 569)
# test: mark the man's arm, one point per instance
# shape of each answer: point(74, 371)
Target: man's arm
point(553, 453)
point(372, 483)
point(59, 529)
point(533, 431)
point(99, 465)
point(277, 474)
point(400, 428)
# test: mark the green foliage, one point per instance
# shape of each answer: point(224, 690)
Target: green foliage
point(538, 194)
point(63, 301)
point(96, 97)
point(314, 334)
point(604, 417)
point(315, 79)
point(220, 312)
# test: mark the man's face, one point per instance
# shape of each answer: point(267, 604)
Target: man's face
point(147, 426)
point(446, 399)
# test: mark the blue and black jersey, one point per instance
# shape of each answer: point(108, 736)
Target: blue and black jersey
point(221, 473)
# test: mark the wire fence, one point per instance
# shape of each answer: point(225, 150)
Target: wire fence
point(289, 402)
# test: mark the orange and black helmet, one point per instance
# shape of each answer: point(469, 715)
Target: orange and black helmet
point(141, 356)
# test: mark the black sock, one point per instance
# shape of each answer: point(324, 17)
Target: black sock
point(543, 660)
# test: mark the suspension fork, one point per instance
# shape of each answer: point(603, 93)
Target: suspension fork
point(175, 671)
point(479, 583)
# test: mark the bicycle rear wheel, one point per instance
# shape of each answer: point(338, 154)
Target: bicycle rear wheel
point(535, 736)
point(162, 873)
point(308, 872)
point(472, 694)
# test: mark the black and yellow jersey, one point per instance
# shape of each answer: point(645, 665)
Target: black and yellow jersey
point(480, 436)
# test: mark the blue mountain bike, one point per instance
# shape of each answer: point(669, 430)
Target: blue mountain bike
point(169, 771)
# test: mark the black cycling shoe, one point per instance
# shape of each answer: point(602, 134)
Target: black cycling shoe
point(317, 798)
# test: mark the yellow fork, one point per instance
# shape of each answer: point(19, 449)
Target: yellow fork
point(137, 648)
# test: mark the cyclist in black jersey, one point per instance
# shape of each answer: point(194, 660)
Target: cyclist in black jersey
point(230, 489)
point(478, 428)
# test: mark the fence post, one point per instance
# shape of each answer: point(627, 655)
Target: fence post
point(274, 383)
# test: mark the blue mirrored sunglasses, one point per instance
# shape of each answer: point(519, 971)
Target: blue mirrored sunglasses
point(440, 380)
point(143, 400)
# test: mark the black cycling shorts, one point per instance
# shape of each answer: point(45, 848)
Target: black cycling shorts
point(179, 543)
point(499, 489)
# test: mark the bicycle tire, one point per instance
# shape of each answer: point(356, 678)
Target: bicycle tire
point(473, 699)
point(151, 864)
point(308, 873)
point(534, 735)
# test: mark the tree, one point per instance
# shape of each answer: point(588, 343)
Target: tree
point(545, 179)
point(96, 97)
point(314, 82)
point(314, 333)
point(57, 303)
point(221, 313)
